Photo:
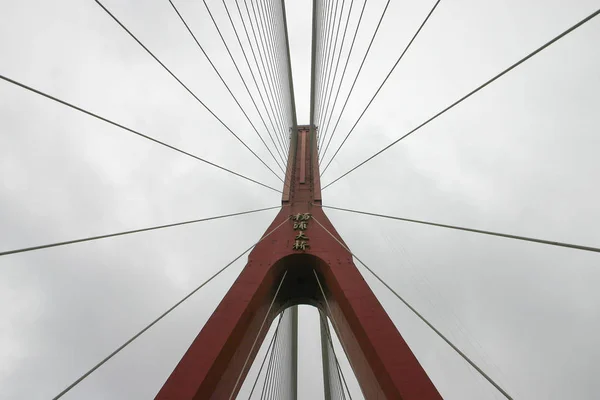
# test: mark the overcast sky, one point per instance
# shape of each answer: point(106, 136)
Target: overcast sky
point(520, 157)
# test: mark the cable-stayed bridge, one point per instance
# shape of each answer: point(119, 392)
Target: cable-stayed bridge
point(300, 258)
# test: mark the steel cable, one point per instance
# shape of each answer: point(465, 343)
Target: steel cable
point(279, 372)
point(273, 60)
point(340, 373)
point(477, 89)
point(272, 369)
point(337, 65)
point(275, 15)
point(362, 63)
point(237, 382)
point(185, 87)
point(382, 83)
point(330, 23)
point(74, 107)
point(267, 353)
point(225, 83)
point(326, 128)
point(109, 235)
point(277, 35)
point(461, 228)
point(328, 89)
point(268, 57)
point(241, 77)
point(258, 65)
point(281, 34)
point(269, 372)
point(448, 342)
point(252, 74)
point(324, 31)
point(134, 337)
point(256, 33)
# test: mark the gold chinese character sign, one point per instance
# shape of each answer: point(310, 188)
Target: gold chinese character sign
point(300, 224)
point(300, 245)
point(300, 217)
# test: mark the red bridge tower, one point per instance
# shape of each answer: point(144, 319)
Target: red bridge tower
point(303, 260)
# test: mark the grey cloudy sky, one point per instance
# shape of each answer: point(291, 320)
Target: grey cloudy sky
point(521, 156)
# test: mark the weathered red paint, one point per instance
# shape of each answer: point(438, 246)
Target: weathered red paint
point(383, 363)
point(302, 136)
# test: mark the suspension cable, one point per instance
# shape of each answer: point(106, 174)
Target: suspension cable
point(357, 75)
point(382, 83)
point(248, 65)
point(456, 349)
point(74, 107)
point(330, 45)
point(276, 382)
point(269, 351)
point(225, 83)
point(326, 128)
point(264, 52)
point(337, 65)
point(328, 81)
point(327, 302)
point(461, 228)
point(314, 54)
point(269, 375)
point(277, 50)
point(323, 33)
point(330, 24)
point(252, 74)
point(278, 54)
point(137, 335)
point(254, 27)
point(288, 78)
point(233, 391)
point(288, 67)
point(278, 38)
point(261, 71)
point(270, 57)
point(186, 88)
point(91, 238)
point(337, 363)
point(504, 72)
point(316, 50)
point(342, 378)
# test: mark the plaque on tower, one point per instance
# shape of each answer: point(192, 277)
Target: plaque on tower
point(300, 221)
point(300, 217)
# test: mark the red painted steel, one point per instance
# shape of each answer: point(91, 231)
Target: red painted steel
point(382, 361)
point(302, 136)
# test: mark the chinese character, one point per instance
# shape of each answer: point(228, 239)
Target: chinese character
point(300, 225)
point(300, 217)
point(300, 245)
point(301, 236)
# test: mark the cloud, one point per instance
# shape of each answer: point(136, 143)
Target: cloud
point(519, 157)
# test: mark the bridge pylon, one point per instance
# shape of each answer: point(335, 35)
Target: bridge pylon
point(303, 261)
